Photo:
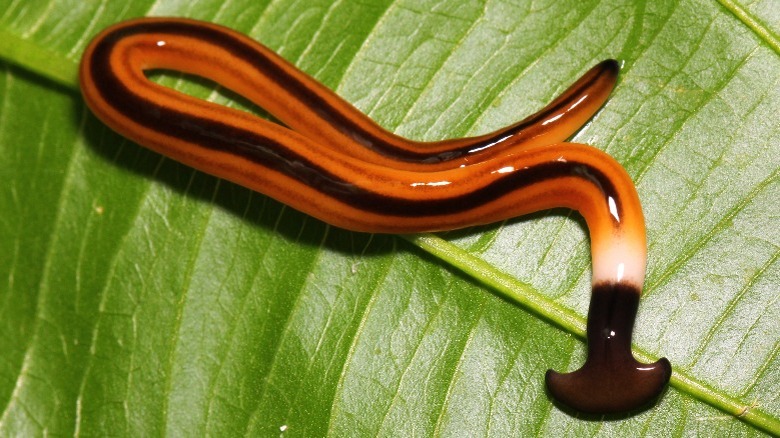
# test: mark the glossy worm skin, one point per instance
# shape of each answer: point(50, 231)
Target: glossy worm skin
point(334, 163)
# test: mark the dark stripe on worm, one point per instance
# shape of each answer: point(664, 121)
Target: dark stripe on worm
point(253, 146)
point(252, 56)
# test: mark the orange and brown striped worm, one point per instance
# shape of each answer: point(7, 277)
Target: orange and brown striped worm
point(334, 163)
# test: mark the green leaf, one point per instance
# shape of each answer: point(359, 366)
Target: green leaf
point(140, 297)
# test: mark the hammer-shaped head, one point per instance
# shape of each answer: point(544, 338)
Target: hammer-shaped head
point(611, 381)
point(608, 388)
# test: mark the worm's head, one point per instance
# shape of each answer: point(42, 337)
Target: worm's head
point(609, 385)
point(611, 381)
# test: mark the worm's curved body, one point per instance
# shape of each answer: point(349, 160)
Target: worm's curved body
point(334, 163)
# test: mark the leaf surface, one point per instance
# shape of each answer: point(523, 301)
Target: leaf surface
point(140, 297)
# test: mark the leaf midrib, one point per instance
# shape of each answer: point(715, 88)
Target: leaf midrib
point(755, 25)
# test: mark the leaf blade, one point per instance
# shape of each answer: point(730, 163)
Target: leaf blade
point(156, 217)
